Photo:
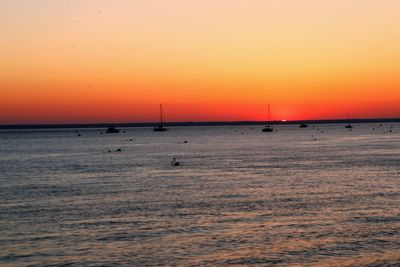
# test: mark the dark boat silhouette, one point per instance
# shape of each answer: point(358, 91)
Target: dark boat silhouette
point(348, 126)
point(268, 128)
point(303, 125)
point(160, 127)
point(112, 130)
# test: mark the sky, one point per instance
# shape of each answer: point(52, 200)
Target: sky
point(74, 61)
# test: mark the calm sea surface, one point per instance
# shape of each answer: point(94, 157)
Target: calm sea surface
point(237, 199)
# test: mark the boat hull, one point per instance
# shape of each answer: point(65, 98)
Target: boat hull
point(267, 130)
point(160, 129)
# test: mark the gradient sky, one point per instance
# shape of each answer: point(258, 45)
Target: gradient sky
point(74, 61)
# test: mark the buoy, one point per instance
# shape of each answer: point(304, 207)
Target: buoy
point(174, 162)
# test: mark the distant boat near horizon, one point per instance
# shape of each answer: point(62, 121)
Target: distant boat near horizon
point(268, 128)
point(303, 125)
point(160, 127)
point(348, 126)
point(112, 130)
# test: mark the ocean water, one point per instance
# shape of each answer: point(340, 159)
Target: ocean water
point(262, 199)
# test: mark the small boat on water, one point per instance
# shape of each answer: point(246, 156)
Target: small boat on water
point(112, 130)
point(348, 126)
point(303, 125)
point(160, 127)
point(268, 128)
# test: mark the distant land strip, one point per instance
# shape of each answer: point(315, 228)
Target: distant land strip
point(212, 123)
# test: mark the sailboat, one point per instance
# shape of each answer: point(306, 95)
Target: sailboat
point(268, 128)
point(348, 126)
point(160, 127)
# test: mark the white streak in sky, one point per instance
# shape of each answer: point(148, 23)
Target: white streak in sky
point(77, 18)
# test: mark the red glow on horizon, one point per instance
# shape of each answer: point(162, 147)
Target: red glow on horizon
point(121, 113)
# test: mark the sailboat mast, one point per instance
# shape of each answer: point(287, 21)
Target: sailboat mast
point(268, 127)
point(161, 115)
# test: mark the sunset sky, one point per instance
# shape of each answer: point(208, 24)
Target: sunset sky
point(74, 61)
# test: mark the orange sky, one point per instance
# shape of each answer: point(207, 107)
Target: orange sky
point(115, 61)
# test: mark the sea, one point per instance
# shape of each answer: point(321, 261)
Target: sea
point(316, 196)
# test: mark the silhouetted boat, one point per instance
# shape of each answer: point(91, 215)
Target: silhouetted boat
point(112, 130)
point(303, 125)
point(268, 128)
point(160, 127)
point(348, 126)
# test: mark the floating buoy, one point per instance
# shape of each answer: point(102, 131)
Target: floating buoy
point(174, 162)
